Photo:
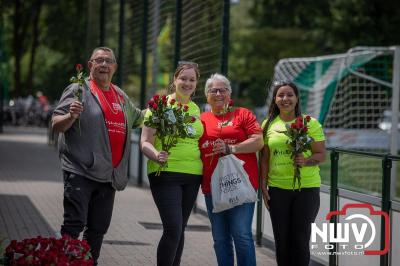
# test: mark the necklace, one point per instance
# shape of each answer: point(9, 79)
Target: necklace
point(108, 104)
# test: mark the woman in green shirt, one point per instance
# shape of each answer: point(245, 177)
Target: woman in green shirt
point(292, 210)
point(175, 189)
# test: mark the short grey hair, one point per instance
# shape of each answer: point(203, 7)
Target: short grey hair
point(217, 77)
point(104, 49)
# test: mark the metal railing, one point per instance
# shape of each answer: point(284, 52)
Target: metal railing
point(335, 192)
point(386, 203)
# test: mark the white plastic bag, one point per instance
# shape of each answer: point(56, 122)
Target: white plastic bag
point(230, 184)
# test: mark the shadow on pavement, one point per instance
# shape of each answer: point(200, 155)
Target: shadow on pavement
point(20, 219)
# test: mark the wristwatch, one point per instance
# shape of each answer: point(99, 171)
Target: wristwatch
point(232, 148)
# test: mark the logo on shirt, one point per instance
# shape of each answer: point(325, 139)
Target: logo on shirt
point(116, 107)
point(282, 152)
point(205, 145)
point(119, 125)
point(212, 143)
point(226, 123)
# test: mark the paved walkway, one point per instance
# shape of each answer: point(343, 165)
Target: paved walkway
point(31, 204)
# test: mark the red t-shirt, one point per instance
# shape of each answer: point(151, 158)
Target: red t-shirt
point(110, 102)
point(233, 127)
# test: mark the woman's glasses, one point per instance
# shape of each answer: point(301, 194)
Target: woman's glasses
point(215, 91)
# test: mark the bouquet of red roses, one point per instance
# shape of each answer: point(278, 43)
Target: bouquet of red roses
point(171, 122)
point(299, 142)
point(48, 251)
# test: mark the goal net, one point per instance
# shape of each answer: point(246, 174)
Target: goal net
point(351, 95)
point(343, 91)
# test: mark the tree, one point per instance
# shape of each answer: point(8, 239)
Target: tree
point(21, 19)
point(264, 31)
point(34, 45)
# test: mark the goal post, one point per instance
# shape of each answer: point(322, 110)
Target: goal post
point(355, 95)
point(322, 79)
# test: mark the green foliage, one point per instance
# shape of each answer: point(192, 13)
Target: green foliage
point(264, 31)
point(261, 33)
point(254, 53)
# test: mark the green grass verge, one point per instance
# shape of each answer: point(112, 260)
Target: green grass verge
point(359, 173)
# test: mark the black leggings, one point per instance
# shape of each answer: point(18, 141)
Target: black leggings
point(292, 213)
point(174, 195)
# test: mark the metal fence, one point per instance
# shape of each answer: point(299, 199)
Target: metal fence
point(151, 36)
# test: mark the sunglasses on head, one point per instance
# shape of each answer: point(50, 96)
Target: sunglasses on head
point(187, 63)
point(281, 82)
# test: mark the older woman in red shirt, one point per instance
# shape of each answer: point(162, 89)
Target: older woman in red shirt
point(229, 131)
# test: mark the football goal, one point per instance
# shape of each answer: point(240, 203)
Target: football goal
point(355, 95)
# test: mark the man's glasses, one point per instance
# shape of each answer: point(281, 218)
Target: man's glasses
point(215, 91)
point(188, 63)
point(101, 60)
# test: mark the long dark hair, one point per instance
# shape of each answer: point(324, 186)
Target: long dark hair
point(273, 108)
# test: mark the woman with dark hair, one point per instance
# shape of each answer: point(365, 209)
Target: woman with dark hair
point(175, 189)
point(292, 210)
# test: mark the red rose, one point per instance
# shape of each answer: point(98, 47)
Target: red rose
point(156, 97)
point(230, 103)
point(294, 126)
point(185, 108)
point(78, 67)
point(305, 130)
point(155, 106)
point(172, 102)
point(150, 103)
point(308, 118)
point(193, 119)
point(164, 100)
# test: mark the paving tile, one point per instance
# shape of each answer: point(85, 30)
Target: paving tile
point(31, 204)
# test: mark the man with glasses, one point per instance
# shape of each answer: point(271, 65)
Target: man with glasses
point(96, 119)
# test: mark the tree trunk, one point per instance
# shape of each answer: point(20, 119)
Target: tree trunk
point(34, 46)
point(22, 21)
point(17, 48)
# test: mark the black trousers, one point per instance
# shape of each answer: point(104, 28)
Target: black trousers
point(88, 207)
point(174, 195)
point(292, 212)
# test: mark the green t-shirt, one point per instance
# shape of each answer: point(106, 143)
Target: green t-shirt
point(185, 156)
point(281, 168)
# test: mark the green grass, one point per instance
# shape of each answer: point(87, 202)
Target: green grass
point(359, 173)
